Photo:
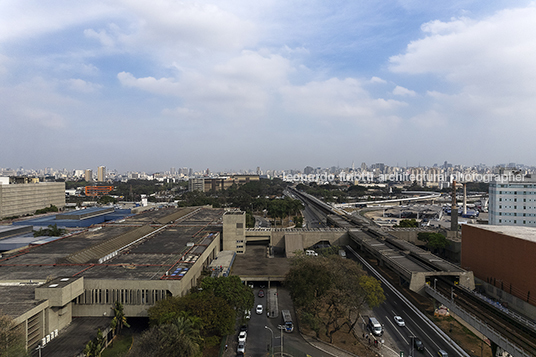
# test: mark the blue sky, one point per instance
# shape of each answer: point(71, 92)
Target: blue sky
point(228, 85)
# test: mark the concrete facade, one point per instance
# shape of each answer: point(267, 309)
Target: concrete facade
point(234, 231)
point(21, 199)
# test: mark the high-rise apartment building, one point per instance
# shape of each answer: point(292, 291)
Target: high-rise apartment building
point(101, 174)
point(512, 202)
point(88, 175)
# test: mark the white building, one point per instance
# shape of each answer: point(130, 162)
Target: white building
point(513, 202)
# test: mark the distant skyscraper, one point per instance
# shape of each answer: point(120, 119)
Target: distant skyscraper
point(101, 174)
point(88, 175)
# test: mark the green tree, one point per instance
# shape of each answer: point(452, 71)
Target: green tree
point(434, 241)
point(408, 223)
point(119, 316)
point(216, 315)
point(50, 231)
point(331, 290)
point(12, 340)
point(165, 341)
point(231, 289)
point(190, 326)
point(95, 347)
point(106, 199)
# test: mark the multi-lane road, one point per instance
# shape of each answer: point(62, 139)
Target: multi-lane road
point(417, 324)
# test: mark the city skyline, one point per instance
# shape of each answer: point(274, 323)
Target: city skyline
point(447, 168)
point(132, 85)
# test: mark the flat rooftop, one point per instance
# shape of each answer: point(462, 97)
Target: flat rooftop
point(525, 233)
point(255, 263)
point(149, 259)
point(85, 213)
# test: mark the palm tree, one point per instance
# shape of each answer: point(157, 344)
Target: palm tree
point(119, 315)
point(189, 326)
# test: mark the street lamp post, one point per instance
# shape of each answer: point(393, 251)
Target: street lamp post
point(281, 328)
point(271, 341)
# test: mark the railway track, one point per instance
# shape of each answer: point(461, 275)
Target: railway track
point(513, 330)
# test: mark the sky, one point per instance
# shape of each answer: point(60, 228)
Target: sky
point(139, 85)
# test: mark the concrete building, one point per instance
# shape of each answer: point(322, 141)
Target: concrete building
point(219, 183)
point(26, 198)
point(101, 174)
point(88, 175)
point(196, 184)
point(513, 202)
point(502, 260)
point(137, 261)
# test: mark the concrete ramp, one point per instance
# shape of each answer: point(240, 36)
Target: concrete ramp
point(293, 243)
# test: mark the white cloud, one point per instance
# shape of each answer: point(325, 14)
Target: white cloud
point(33, 18)
point(487, 54)
point(490, 65)
point(377, 80)
point(164, 86)
point(243, 84)
point(102, 36)
point(336, 99)
point(169, 30)
point(79, 85)
point(404, 92)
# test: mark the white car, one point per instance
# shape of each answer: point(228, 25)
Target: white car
point(242, 336)
point(399, 321)
point(258, 310)
point(247, 314)
point(241, 348)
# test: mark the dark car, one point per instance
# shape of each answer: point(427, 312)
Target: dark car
point(261, 293)
point(418, 344)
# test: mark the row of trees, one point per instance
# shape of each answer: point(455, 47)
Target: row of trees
point(52, 231)
point(330, 292)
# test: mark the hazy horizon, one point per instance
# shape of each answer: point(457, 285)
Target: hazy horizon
point(146, 86)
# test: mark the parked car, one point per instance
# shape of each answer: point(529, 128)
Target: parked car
point(241, 348)
point(259, 309)
point(261, 293)
point(247, 314)
point(242, 336)
point(399, 321)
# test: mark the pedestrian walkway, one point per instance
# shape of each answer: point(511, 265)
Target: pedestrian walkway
point(272, 307)
point(327, 348)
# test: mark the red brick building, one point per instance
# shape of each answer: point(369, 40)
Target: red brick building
point(504, 256)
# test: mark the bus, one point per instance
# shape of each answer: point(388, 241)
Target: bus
point(287, 320)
